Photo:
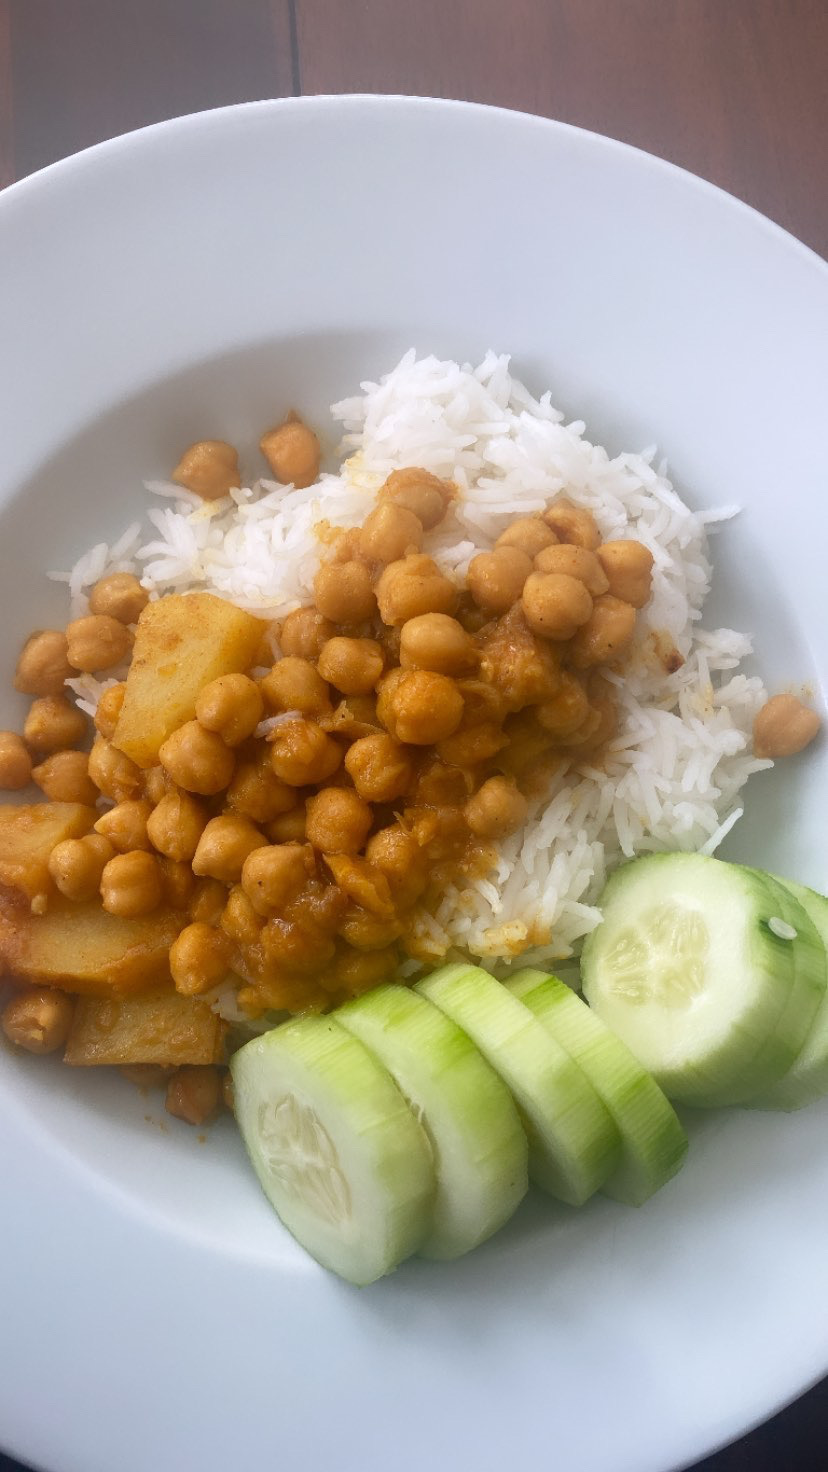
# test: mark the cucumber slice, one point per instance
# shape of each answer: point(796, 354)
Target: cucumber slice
point(573, 1143)
point(807, 1078)
point(477, 1142)
point(653, 1143)
point(335, 1146)
point(709, 972)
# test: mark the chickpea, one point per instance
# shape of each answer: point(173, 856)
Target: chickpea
point(197, 760)
point(208, 901)
point(156, 785)
point(239, 920)
point(304, 632)
point(598, 725)
point(367, 932)
point(274, 875)
point(256, 792)
point(628, 567)
point(343, 592)
point(352, 665)
point(293, 453)
point(555, 605)
point(470, 747)
point(575, 562)
point(355, 716)
point(294, 684)
point(76, 865)
point(125, 825)
point(497, 809)
point(232, 706)
point(379, 767)
point(567, 709)
point(288, 827)
point(783, 727)
point(53, 724)
point(338, 821)
point(112, 772)
point(359, 971)
point(193, 1093)
point(604, 635)
point(109, 708)
point(361, 882)
point(426, 708)
point(436, 642)
point(573, 524)
point(413, 586)
point(121, 596)
point(64, 777)
point(209, 468)
point(386, 691)
point(421, 493)
point(395, 853)
point(38, 1018)
point(176, 824)
point(131, 884)
point(223, 847)
point(389, 533)
point(496, 578)
point(178, 883)
point(15, 762)
point(199, 958)
point(302, 754)
point(97, 642)
point(43, 667)
point(529, 534)
point(296, 946)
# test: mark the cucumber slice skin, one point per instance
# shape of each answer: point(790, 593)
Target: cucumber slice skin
point(653, 1142)
point(363, 1204)
point(706, 1042)
point(574, 1144)
point(807, 1078)
point(477, 1141)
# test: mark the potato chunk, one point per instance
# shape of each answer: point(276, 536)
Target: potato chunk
point(162, 1028)
point(81, 948)
point(182, 642)
point(27, 836)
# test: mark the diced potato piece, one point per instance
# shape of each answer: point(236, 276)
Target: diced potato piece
point(182, 642)
point(81, 948)
point(162, 1028)
point(27, 837)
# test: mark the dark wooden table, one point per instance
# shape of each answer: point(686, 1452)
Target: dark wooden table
point(736, 90)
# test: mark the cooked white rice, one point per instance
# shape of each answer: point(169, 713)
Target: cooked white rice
point(673, 774)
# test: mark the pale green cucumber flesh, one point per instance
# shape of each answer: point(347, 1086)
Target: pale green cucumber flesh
point(478, 1144)
point(335, 1146)
point(807, 1077)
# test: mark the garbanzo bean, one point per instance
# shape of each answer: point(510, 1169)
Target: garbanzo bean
point(496, 578)
point(239, 920)
point(273, 876)
point(338, 821)
point(210, 468)
point(256, 792)
point(379, 767)
point(496, 809)
point(155, 784)
point(567, 709)
point(293, 453)
point(304, 632)
point(114, 773)
point(576, 562)
point(469, 746)
point(120, 595)
point(420, 492)
point(178, 882)
point(125, 825)
point(15, 762)
point(38, 1019)
point(208, 900)
point(232, 706)
point(194, 1093)
point(367, 932)
point(295, 684)
point(397, 855)
point(176, 824)
point(288, 827)
point(389, 533)
point(296, 946)
point(436, 642)
point(53, 724)
point(223, 847)
point(629, 570)
point(352, 665)
point(605, 634)
point(413, 586)
point(359, 971)
point(64, 777)
point(97, 642)
point(529, 534)
point(109, 709)
point(301, 754)
point(555, 605)
point(783, 727)
point(343, 592)
point(197, 760)
point(131, 884)
point(426, 708)
point(76, 865)
point(199, 958)
point(573, 524)
point(43, 667)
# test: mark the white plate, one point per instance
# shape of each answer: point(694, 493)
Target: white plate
point(191, 280)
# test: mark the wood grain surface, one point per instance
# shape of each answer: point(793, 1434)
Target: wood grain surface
point(735, 90)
